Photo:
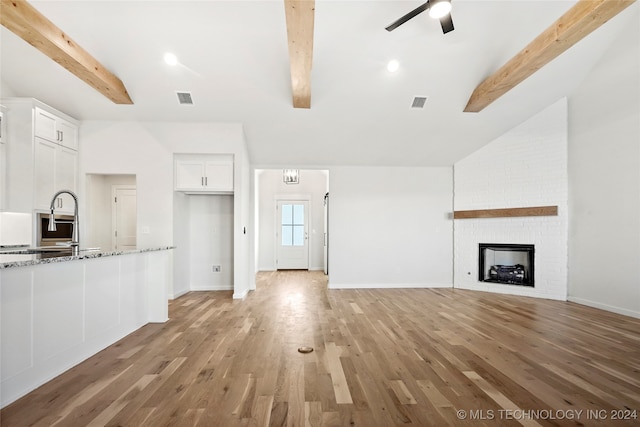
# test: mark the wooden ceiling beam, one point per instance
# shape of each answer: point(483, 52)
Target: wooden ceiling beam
point(26, 22)
point(579, 21)
point(300, 18)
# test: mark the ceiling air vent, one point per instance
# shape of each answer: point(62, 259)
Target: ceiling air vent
point(184, 98)
point(418, 102)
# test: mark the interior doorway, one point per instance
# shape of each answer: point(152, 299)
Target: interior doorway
point(270, 187)
point(99, 229)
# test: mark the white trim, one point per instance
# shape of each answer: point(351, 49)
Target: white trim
point(388, 285)
point(241, 295)
point(179, 294)
point(601, 306)
point(292, 196)
point(210, 288)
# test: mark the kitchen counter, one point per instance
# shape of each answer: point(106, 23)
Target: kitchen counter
point(16, 257)
point(55, 314)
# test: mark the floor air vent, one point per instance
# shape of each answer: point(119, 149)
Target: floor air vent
point(184, 98)
point(419, 101)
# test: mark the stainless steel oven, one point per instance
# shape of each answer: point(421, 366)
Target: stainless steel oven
point(63, 234)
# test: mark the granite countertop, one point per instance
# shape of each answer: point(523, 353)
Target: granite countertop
point(21, 257)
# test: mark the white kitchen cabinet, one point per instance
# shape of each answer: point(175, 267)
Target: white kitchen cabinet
point(3, 125)
point(205, 174)
point(54, 315)
point(55, 169)
point(3, 157)
point(3, 179)
point(53, 128)
point(41, 151)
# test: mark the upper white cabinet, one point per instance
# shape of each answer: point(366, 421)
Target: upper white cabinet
point(3, 179)
point(42, 156)
point(204, 173)
point(56, 168)
point(3, 125)
point(54, 128)
point(3, 156)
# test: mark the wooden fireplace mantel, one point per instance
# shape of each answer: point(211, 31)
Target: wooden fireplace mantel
point(508, 212)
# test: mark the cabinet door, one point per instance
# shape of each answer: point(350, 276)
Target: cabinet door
point(66, 173)
point(3, 177)
point(189, 175)
point(3, 128)
point(219, 176)
point(67, 134)
point(45, 172)
point(45, 125)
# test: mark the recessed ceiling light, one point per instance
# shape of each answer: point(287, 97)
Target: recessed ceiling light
point(170, 59)
point(393, 66)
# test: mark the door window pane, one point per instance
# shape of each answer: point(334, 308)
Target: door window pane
point(298, 214)
point(298, 235)
point(287, 214)
point(287, 235)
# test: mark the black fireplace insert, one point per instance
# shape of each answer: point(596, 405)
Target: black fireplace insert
point(510, 264)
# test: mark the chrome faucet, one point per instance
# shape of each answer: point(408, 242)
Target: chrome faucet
point(52, 220)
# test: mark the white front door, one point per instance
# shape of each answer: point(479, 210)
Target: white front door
point(124, 218)
point(292, 235)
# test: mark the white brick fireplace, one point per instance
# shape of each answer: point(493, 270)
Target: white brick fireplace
point(526, 167)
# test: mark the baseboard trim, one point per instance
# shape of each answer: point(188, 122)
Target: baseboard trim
point(388, 285)
point(606, 307)
point(211, 288)
point(179, 294)
point(241, 295)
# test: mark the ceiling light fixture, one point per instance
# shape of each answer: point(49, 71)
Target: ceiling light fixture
point(439, 8)
point(170, 59)
point(393, 65)
point(290, 176)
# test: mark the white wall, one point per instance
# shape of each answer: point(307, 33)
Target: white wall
point(146, 149)
point(211, 242)
point(604, 180)
point(5, 90)
point(525, 167)
point(390, 227)
point(313, 186)
point(243, 265)
point(182, 241)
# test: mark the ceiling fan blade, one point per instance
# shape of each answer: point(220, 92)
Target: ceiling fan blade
point(418, 10)
point(447, 23)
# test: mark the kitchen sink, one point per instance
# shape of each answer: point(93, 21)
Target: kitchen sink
point(38, 251)
point(46, 252)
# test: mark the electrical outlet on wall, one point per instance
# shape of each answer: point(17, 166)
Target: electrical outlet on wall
point(216, 269)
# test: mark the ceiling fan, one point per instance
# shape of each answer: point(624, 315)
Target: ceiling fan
point(438, 9)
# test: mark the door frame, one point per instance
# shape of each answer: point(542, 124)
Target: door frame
point(114, 189)
point(276, 222)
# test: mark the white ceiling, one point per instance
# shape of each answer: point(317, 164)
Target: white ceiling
point(234, 59)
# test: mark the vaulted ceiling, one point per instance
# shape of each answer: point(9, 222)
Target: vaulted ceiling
point(234, 57)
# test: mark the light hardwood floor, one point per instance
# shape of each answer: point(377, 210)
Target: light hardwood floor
point(421, 357)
